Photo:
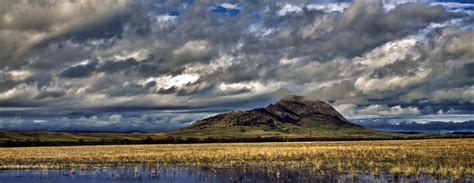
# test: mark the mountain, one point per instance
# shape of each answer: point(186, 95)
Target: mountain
point(289, 110)
point(433, 126)
point(292, 116)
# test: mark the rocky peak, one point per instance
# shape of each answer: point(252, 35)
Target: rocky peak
point(298, 106)
point(291, 109)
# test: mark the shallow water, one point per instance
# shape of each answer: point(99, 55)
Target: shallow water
point(105, 175)
point(184, 174)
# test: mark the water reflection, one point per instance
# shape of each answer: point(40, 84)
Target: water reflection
point(186, 174)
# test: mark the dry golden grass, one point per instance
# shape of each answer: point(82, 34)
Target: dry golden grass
point(440, 157)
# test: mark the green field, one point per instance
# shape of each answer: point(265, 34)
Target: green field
point(229, 134)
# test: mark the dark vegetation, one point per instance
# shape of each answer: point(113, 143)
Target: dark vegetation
point(192, 140)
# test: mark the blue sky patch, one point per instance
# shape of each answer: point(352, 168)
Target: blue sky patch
point(223, 9)
point(173, 13)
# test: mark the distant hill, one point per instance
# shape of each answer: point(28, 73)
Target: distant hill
point(292, 116)
point(434, 126)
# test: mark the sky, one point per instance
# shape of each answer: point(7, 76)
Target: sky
point(112, 65)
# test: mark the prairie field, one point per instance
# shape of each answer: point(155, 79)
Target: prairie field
point(436, 157)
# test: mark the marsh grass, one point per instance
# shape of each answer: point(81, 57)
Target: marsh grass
point(440, 157)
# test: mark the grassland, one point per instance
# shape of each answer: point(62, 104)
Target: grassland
point(212, 135)
point(439, 157)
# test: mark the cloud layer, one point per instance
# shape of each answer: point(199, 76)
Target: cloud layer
point(366, 57)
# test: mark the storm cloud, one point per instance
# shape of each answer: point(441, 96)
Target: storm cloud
point(365, 57)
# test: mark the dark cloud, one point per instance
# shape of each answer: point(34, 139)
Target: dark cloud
point(210, 53)
point(7, 85)
point(28, 25)
point(239, 73)
point(469, 68)
point(195, 89)
point(127, 90)
point(118, 66)
point(165, 91)
point(364, 26)
point(336, 91)
point(52, 94)
point(130, 121)
point(79, 71)
point(399, 68)
point(7, 82)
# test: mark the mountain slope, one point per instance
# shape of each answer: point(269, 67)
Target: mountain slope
point(292, 116)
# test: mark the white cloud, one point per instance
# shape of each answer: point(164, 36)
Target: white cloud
point(138, 54)
point(171, 81)
point(225, 87)
point(346, 109)
point(393, 52)
point(289, 9)
point(196, 49)
point(230, 6)
point(388, 53)
point(371, 85)
point(260, 30)
point(222, 62)
point(115, 118)
point(165, 21)
point(376, 110)
point(455, 94)
point(286, 61)
point(385, 110)
point(328, 7)
point(22, 91)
